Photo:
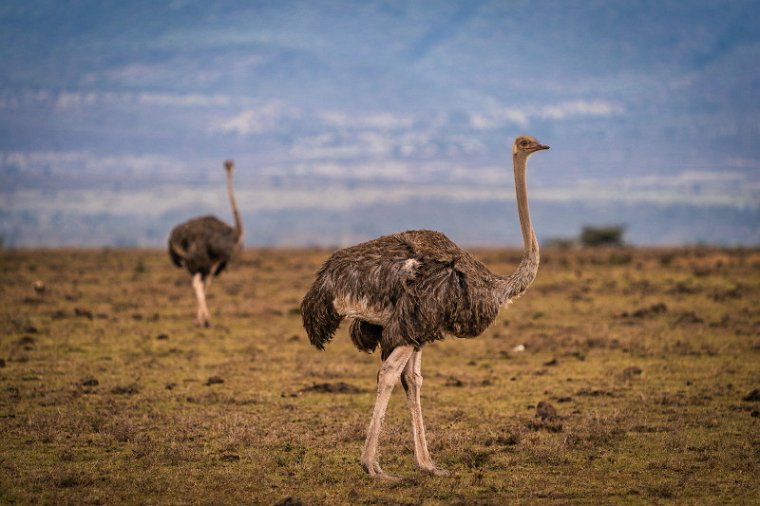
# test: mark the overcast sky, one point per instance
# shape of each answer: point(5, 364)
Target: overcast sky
point(124, 110)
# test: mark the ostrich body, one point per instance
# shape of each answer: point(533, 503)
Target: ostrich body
point(404, 290)
point(204, 246)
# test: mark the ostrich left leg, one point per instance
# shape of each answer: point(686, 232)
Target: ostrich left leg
point(200, 293)
point(411, 379)
point(387, 377)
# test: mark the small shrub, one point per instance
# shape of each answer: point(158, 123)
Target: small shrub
point(476, 459)
point(141, 267)
point(602, 236)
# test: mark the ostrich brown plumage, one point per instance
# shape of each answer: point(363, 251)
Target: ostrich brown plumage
point(204, 246)
point(407, 289)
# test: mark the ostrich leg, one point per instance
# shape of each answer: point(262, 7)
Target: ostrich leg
point(387, 377)
point(200, 294)
point(206, 287)
point(411, 379)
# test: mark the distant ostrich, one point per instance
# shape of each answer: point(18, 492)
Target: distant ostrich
point(407, 289)
point(205, 245)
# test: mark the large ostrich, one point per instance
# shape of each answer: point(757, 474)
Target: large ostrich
point(407, 289)
point(205, 245)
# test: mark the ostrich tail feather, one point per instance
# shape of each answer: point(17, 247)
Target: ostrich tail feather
point(176, 253)
point(319, 316)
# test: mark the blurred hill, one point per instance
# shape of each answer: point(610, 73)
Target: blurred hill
point(115, 117)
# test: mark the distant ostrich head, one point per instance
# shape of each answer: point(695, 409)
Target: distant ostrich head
point(526, 145)
point(229, 165)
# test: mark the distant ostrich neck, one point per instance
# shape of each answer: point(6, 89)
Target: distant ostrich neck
point(235, 212)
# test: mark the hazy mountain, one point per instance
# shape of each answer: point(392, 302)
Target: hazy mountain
point(348, 119)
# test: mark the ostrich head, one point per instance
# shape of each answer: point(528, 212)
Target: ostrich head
point(229, 165)
point(526, 145)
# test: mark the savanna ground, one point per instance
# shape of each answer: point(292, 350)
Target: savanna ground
point(109, 393)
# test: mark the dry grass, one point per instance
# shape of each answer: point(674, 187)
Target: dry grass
point(109, 394)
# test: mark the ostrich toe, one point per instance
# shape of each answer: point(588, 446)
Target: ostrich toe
point(374, 470)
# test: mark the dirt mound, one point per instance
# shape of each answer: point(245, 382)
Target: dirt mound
point(547, 418)
point(290, 501)
point(333, 388)
point(83, 312)
point(89, 381)
point(214, 380)
point(630, 372)
point(652, 310)
point(546, 411)
point(125, 389)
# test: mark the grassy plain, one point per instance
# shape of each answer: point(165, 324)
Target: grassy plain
point(109, 394)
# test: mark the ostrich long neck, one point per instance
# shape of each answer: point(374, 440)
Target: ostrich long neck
point(517, 282)
point(235, 212)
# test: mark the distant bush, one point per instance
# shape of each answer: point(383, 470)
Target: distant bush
point(602, 236)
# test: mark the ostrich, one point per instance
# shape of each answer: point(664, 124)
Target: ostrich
point(407, 289)
point(204, 245)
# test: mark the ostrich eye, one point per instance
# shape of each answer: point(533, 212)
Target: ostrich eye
point(523, 143)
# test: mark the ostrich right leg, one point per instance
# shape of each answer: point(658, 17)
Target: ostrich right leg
point(203, 316)
point(412, 382)
point(387, 377)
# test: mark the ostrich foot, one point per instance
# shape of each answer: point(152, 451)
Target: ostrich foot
point(434, 471)
point(374, 470)
point(203, 323)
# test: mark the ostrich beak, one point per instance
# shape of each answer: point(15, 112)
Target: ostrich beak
point(540, 147)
